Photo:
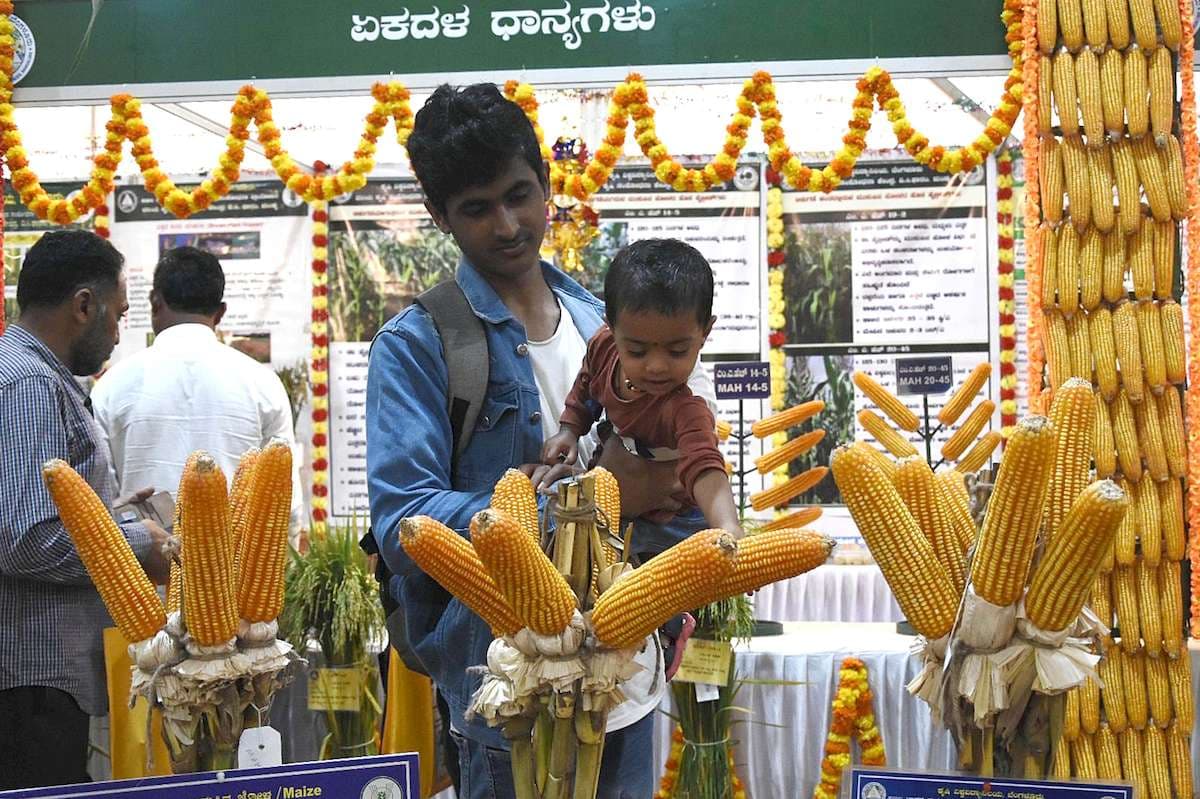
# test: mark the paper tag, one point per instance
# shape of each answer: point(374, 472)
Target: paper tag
point(705, 661)
point(707, 693)
point(260, 746)
point(335, 689)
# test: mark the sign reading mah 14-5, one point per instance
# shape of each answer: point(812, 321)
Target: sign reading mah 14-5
point(742, 380)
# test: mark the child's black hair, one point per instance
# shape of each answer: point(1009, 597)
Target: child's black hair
point(465, 137)
point(662, 275)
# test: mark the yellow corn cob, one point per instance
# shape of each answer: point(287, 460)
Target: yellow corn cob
point(1148, 520)
point(608, 497)
point(1104, 451)
point(1070, 23)
point(793, 521)
point(1112, 91)
point(1164, 259)
point(1087, 85)
point(882, 460)
point(1169, 22)
point(1137, 92)
point(534, 588)
point(780, 495)
point(1141, 259)
point(451, 560)
point(767, 557)
point(787, 419)
point(1125, 544)
point(1064, 576)
point(1179, 670)
point(1114, 266)
point(1129, 350)
point(1108, 754)
point(1058, 348)
point(922, 587)
point(1067, 270)
point(262, 552)
point(1118, 24)
point(208, 602)
point(882, 432)
point(1073, 414)
point(1133, 758)
point(1125, 603)
point(1089, 707)
point(514, 495)
point(1158, 687)
point(1104, 352)
point(1091, 264)
point(1129, 456)
point(1075, 175)
point(240, 492)
point(891, 405)
point(969, 430)
point(723, 430)
point(1071, 728)
point(1128, 185)
point(1162, 95)
point(1083, 757)
point(1133, 679)
point(979, 455)
point(1170, 414)
point(1172, 164)
point(1153, 178)
point(127, 592)
point(1158, 775)
point(1174, 347)
point(793, 449)
point(1049, 285)
point(175, 587)
point(1046, 93)
point(1013, 516)
point(915, 483)
point(1100, 599)
point(1149, 608)
point(1150, 439)
point(1170, 593)
point(956, 508)
point(637, 604)
point(964, 395)
point(1170, 502)
point(1051, 176)
point(1113, 695)
point(1080, 345)
point(1060, 763)
point(1047, 26)
point(1180, 756)
point(1095, 23)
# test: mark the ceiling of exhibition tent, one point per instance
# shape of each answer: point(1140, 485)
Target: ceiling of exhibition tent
point(691, 120)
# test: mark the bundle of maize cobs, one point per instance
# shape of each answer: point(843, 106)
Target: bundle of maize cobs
point(1111, 200)
point(210, 659)
point(567, 625)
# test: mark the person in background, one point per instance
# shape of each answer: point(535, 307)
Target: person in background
point(71, 293)
point(188, 391)
point(485, 183)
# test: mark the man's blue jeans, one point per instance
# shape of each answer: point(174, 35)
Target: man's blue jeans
point(626, 772)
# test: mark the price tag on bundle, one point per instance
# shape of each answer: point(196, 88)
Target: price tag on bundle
point(260, 746)
point(705, 663)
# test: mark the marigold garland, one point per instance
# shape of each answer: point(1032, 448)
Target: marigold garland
point(1006, 279)
point(666, 784)
point(853, 719)
point(319, 367)
point(776, 311)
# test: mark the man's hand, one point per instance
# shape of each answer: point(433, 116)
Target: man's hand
point(543, 476)
point(134, 498)
point(645, 485)
point(157, 563)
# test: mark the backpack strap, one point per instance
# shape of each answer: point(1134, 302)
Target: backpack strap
point(464, 346)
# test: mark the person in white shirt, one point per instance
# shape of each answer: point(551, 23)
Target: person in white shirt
point(188, 391)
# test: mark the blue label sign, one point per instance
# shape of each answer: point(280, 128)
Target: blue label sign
point(382, 777)
point(742, 380)
point(883, 784)
point(924, 375)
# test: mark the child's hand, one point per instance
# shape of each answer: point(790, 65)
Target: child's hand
point(561, 448)
point(546, 476)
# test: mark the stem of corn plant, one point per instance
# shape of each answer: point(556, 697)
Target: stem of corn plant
point(519, 732)
point(543, 738)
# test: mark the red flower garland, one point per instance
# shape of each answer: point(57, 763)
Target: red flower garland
point(319, 364)
point(1005, 270)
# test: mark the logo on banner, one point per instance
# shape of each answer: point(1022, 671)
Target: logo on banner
point(746, 178)
point(873, 790)
point(127, 201)
point(382, 788)
point(24, 49)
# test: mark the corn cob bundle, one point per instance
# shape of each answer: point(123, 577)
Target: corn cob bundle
point(786, 419)
point(1112, 697)
point(636, 605)
point(980, 453)
point(792, 521)
point(891, 405)
point(882, 432)
point(1073, 415)
point(968, 431)
point(767, 557)
point(765, 464)
point(779, 495)
point(964, 395)
point(535, 590)
point(1108, 754)
point(514, 496)
point(923, 588)
point(262, 551)
point(126, 590)
point(208, 602)
point(915, 483)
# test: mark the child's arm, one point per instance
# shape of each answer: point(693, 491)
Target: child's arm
point(714, 497)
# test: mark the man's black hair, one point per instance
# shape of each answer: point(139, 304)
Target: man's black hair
point(662, 275)
point(61, 263)
point(465, 137)
point(190, 280)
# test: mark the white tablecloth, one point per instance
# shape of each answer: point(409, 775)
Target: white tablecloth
point(830, 593)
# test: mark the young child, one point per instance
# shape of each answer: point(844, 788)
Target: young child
point(658, 303)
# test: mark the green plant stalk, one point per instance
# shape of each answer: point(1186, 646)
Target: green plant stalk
point(589, 729)
point(562, 756)
point(543, 737)
point(519, 733)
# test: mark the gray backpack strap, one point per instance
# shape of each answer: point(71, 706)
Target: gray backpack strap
point(464, 346)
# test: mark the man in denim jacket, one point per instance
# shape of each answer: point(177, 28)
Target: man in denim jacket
point(485, 183)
